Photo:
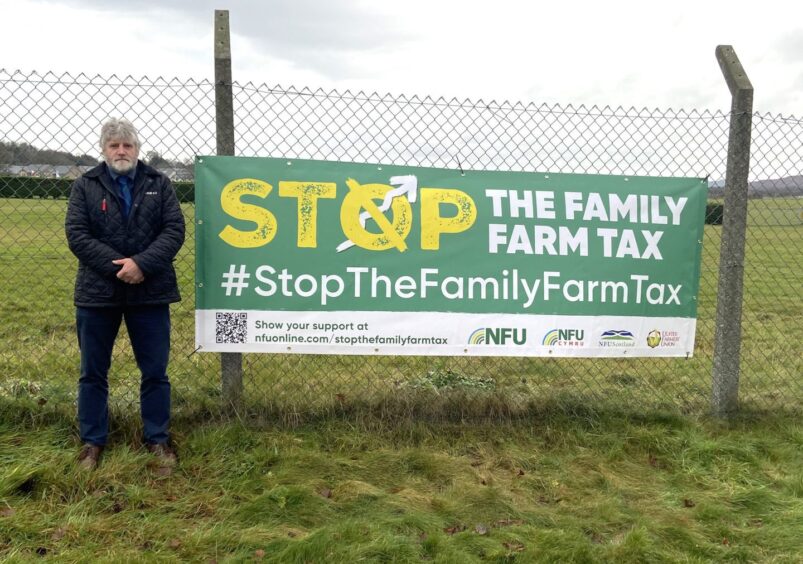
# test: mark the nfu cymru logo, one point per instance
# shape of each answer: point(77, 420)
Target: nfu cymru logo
point(565, 338)
point(498, 336)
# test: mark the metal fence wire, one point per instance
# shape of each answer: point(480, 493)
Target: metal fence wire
point(49, 126)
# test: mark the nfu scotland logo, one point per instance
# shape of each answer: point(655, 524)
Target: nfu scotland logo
point(564, 338)
point(498, 336)
point(617, 338)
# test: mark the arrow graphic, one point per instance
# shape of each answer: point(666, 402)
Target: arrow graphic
point(407, 187)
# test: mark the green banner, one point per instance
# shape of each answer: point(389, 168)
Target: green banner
point(314, 238)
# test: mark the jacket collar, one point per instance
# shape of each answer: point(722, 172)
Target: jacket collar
point(101, 173)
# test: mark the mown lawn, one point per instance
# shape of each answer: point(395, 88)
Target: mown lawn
point(38, 348)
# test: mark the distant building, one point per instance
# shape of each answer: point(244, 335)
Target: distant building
point(46, 170)
point(177, 174)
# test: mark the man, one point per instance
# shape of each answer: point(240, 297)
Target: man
point(125, 225)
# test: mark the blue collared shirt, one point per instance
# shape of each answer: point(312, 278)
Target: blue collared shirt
point(130, 174)
point(127, 198)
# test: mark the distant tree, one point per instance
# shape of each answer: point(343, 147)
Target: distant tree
point(6, 153)
point(86, 160)
point(24, 153)
point(156, 160)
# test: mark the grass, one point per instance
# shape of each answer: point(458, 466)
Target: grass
point(567, 485)
point(38, 345)
point(406, 459)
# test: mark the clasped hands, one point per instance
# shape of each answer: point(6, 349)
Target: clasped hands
point(130, 272)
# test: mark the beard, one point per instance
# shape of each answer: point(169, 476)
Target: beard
point(121, 166)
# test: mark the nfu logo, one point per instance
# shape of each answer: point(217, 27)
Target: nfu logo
point(498, 336)
point(564, 338)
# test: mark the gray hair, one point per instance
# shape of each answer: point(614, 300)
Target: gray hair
point(121, 129)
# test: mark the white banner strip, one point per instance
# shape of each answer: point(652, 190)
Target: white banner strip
point(443, 334)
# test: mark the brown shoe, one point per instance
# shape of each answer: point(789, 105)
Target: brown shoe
point(165, 456)
point(89, 456)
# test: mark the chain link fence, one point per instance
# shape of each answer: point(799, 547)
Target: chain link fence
point(49, 126)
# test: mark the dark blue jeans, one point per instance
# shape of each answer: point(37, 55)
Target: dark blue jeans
point(149, 331)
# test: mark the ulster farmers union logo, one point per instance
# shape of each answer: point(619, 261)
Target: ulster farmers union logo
point(663, 339)
point(564, 338)
point(653, 338)
point(617, 338)
point(498, 336)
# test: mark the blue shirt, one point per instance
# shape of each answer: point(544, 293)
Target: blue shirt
point(130, 174)
point(126, 198)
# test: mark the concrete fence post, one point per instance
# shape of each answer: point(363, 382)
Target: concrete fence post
point(231, 364)
point(728, 335)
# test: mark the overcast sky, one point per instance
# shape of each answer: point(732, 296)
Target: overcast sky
point(615, 53)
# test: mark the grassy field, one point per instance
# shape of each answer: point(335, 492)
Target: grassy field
point(570, 485)
point(39, 356)
point(353, 459)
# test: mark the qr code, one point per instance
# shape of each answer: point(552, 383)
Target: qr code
point(231, 327)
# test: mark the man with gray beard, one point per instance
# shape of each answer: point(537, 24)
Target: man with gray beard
point(125, 226)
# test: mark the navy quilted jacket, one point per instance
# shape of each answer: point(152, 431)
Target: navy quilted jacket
point(97, 234)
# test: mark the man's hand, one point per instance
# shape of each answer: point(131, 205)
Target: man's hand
point(130, 272)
